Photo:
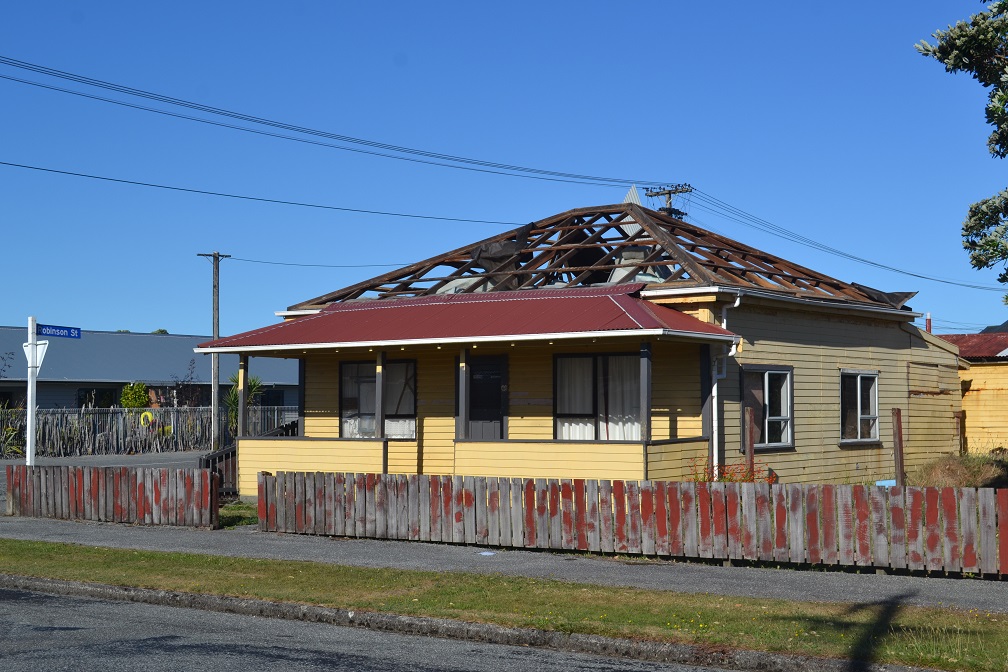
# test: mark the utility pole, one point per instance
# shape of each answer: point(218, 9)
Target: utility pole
point(670, 191)
point(215, 257)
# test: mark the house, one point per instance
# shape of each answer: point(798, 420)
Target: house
point(984, 388)
point(92, 370)
point(605, 342)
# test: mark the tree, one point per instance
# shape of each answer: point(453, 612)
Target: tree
point(160, 331)
point(980, 47)
point(253, 392)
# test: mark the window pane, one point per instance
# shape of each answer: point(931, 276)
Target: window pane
point(753, 394)
point(574, 385)
point(357, 399)
point(619, 398)
point(848, 407)
point(400, 388)
point(575, 429)
point(869, 428)
point(777, 431)
point(868, 395)
point(778, 404)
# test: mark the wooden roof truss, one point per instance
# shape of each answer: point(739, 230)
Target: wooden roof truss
point(623, 243)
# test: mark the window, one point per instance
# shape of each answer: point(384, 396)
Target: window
point(97, 397)
point(768, 392)
point(358, 394)
point(597, 398)
point(858, 406)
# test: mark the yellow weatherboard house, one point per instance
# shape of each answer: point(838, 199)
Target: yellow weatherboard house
point(984, 388)
point(605, 342)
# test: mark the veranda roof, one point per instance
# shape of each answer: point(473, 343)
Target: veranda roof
point(539, 314)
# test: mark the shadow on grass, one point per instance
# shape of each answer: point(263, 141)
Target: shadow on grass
point(864, 650)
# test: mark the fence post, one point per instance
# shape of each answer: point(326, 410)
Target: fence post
point(897, 429)
point(960, 419)
point(750, 442)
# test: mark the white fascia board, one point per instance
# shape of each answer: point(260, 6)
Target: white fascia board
point(735, 291)
point(297, 313)
point(660, 333)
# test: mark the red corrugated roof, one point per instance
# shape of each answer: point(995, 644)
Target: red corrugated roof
point(524, 315)
point(980, 346)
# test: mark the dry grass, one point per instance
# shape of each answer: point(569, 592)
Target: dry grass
point(965, 471)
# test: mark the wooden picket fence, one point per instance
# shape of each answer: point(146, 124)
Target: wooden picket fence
point(948, 530)
point(141, 496)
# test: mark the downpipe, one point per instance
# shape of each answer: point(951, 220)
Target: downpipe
point(719, 366)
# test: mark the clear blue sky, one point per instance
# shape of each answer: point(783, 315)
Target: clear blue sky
point(825, 122)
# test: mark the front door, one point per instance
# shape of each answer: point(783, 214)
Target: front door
point(488, 398)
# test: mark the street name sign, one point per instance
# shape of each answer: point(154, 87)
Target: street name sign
point(53, 330)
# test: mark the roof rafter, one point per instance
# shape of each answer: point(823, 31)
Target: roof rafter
point(624, 243)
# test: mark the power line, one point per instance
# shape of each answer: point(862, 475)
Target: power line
point(256, 198)
point(400, 149)
point(716, 206)
point(307, 141)
point(302, 265)
point(728, 212)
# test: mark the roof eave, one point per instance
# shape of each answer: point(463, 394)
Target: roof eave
point(459, 340)
point(658, 292)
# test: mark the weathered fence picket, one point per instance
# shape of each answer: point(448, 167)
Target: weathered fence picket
point(934, 529)
point(133, 495)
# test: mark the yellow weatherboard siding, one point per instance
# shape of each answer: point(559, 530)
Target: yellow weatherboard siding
point(550, 459)
point(676, 461)
point(819, 345)
point(985, 400)
point(300, 454)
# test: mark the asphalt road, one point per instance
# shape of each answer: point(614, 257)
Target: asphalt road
point(52, 633)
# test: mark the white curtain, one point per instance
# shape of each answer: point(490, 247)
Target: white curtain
point(400, 428)
point(619, 399)
point(574, 397)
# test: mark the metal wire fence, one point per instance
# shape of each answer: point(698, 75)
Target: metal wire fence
point(120, 431)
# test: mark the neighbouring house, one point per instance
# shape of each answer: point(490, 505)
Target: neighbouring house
point(92, 370)
point(984, 388)
point(605, 342)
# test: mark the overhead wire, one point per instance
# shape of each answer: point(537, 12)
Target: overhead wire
point(282, 136)
point(257, 198)
point(702, 200)
point(149, 95)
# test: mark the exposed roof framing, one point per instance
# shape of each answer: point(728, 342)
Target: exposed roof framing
point(623, 243)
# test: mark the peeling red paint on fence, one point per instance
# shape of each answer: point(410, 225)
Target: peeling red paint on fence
point(935, 529)
point(135, 495)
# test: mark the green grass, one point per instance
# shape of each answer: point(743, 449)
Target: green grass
point(236, 513)
point(944, 638)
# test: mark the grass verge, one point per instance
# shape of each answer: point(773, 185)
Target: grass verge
point(883, 633)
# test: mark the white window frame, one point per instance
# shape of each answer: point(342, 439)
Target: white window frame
point(862, 416)
point(602, 418)
point(765, 372)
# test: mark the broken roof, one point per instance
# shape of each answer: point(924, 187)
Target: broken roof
point(612, 244)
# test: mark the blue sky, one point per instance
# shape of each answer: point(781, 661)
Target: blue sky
point(824, 122)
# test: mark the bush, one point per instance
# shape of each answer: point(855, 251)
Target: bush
point(134, 395)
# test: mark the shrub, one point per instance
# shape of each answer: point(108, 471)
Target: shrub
point(134, 395)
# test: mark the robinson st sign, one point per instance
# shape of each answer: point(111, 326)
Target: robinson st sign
point(35, 352)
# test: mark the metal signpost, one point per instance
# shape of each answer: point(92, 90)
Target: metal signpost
point(35, 351)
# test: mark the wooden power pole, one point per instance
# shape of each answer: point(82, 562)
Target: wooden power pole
point(215, 257)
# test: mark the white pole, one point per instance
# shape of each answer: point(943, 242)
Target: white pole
point(32, 377)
